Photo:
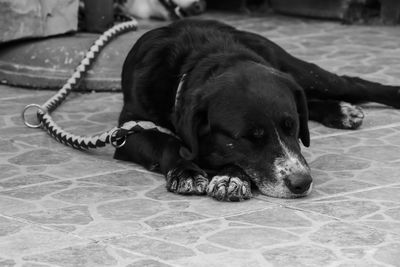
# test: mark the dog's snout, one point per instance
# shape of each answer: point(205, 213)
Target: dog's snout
point(197, 7)
point(298, 183)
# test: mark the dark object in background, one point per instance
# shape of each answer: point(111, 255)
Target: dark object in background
point(226, 4)
point(390, 11)
point(99, 15)
point(237, 5)
point(348, 11)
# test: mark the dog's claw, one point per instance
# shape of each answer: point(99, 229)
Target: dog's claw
point(183, 182)
point(201, 184)
point(229, 188)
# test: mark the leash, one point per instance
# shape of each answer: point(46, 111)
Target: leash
point(116, 136)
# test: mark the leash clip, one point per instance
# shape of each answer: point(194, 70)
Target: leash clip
point(115, 138)
point(30, 125)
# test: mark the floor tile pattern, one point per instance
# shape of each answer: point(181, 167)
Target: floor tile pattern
point(62, 207)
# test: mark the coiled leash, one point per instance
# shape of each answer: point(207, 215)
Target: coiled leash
point(115, 136)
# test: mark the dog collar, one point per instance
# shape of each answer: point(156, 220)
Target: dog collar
point(178, 91)
point(173, 8)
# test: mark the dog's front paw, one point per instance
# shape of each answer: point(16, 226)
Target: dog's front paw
point(229, 188)
point(186, 181)
point(348, 117)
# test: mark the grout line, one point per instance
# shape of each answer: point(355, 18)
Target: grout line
point(59, 180)
point(145, 256)
point(44, 226)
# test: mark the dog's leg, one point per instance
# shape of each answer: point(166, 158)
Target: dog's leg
point(335, 114)
point(321, 84)
point(231, 184)
point(159, 151)
point(317, 82)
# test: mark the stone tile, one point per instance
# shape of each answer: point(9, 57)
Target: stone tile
point(379, 175)
point(174, 217)
point(32, 240)
point(335, 142)
point(81, 255)
point(342, 234)
point(40, 157)
point(110, 228)
point(9, 206)
point(134, 209)
point(385, 225)
point(353, 253)
point(148, 263)
point(334, 162)
point(274, 217)
point(37, 191)
point(345, 210)
point(380, 117)
point(251, 237)
point(86, 195)
point(104, 116)
point(393, 213)
point(8, 170)
point(391, 194)
point(212, 208)
point(373, 134)
point(161, 193)
point(300, 256)
point(227, 259)
point(40, 140)
point(342, 186)
point(152, 247)
point(360, 263)
point(9, 227)
point(26, 180)
point(79, 167)
point(78, 215)
point(388, 254)
point(393, 139)
point(187, 234)
point(7, 146)
point(124, 178)
point(209, 249)
point(7, 262)
point(382, 153)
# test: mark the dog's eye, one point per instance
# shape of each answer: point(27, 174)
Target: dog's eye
point(255, 134)
point(287, 125)
point(258, 133)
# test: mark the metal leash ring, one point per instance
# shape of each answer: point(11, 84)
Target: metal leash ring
point(114, 140)
point(25, 120)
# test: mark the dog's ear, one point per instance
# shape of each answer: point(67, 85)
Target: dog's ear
point(302, 110)
point(191, 117)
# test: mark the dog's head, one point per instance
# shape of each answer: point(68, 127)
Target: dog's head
point(251, 116)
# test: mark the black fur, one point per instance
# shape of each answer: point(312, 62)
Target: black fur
point(243, 96)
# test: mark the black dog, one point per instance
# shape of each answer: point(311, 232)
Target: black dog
point(239, 104)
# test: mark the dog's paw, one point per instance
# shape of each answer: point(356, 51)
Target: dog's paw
point(187, 182)
point(229, 188)
point(352, 116)
point(348, 117)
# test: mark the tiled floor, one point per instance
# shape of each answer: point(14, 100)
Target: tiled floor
point(61, 207)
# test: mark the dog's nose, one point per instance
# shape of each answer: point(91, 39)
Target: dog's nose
point(298, 183)
point(197, 7)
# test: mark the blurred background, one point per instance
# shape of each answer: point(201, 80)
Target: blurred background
point(42, 18)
